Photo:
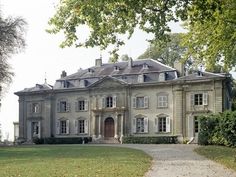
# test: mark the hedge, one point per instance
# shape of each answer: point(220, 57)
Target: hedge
point(218, 129)
point(69, 140)
point(150, 140)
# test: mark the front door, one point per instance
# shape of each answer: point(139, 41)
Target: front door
point(109, 127)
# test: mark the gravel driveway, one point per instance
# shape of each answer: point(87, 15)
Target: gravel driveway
point(178, 160)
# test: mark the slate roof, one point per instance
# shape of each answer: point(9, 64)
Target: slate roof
point(37, 87)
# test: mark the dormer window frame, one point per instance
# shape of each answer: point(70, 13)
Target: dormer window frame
point(116, 68)
point(145, 66)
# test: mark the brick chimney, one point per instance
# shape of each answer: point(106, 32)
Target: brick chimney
point(63, 74)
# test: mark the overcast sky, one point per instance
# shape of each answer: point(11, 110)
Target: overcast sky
point(43, 55)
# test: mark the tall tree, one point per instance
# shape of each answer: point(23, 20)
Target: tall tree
point(12, 31)
point(166, 53)
point(109, 20)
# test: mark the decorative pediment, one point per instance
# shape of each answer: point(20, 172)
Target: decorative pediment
point(108, 82)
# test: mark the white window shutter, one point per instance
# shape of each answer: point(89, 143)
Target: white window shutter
point(134, 100)
point(145, 102)
point(76, 127)
point(156, 125)
point(167, 124)
point(103, 102)
point(67, 126)
point(145, 125)
point(58, 107)
point(192, 100)
point(86, 105)
point(134, 125)
point(76, 106)
point(39, 124)
point(67, 107)
point(114, 99)
point(57, 127)
point(39, 107)
point(165, 99)
point(205, 99)
point(86, 126)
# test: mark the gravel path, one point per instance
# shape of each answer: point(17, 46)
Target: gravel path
point(180, 160)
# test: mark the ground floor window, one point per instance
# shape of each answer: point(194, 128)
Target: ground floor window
point(163, 124)
point(140, 125)
point(196, 124)
point(81, 126)
point(35, 129)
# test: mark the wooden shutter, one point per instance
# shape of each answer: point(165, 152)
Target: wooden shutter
point(134, 125)
point(67, 126)
point(86, 126)
point(76, 127)
point(156, 125)
point(114, 98)
point(57, 127)
point(39, 124)
point(77, 106)
point(205, 99)
point(145, 102)
point(134, 100)
point(145, 125)
point(192, 100)
point(58, 107)
point(167, 124)
point(67, 107)
point(86, 105)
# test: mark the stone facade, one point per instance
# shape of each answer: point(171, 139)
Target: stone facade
point(109, 101)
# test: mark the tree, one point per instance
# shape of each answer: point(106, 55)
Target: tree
point(166, 53)
point(12, 41)
point(110, 20)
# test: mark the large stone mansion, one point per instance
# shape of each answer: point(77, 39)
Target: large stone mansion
point(113, 100)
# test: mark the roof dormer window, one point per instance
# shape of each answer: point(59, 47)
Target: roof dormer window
point(116, 68)
point(145, 66)
point(90, 70)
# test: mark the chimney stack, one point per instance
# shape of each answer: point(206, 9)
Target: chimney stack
point(130, 62)
point(98, 62)
point(63, 74)
point(179, 67)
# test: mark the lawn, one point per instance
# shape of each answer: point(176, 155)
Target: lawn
point(221, 154)
point(72, 161)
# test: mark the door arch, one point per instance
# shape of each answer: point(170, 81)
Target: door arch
point(109, 128)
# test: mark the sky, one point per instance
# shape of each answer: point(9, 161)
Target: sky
point(43, 58)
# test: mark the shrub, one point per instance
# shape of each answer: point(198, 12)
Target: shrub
point(150, 140)
point(68, 140)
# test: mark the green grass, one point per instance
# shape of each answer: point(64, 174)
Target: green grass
point(72, 161)
point(221, 154)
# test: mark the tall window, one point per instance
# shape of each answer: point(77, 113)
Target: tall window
point(109, 102)
point(35, 129)
point(162, 124)
point(162, 101)
point(81, 126)
point(81, 105)
point(63, 127)
point(196, 124)
point(140, 125)
point(198, 99)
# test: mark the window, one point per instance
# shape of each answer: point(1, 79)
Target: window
point(35, 108)
point(109, 102)
point(140, 102)
point(162, 124)
point(140, 125)
point(62, 127)
point(35, 129)
point(81, 126)
point(63, 106)
point(162, 101)
point(81, 105)
point(196, 124)
point(199, 99)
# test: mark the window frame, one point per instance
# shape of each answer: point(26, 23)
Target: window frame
point(162, 100)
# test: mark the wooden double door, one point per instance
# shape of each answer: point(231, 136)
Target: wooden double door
point(109, 128)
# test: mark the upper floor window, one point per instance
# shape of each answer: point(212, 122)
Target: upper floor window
point(81, 105)
point(63, 106)
point(140, 102)
point(162, 124)
point(109, 102)
point(35, 108)
point(140, 125)
point(162, 101)
point(62, 127)
point(199, 99)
